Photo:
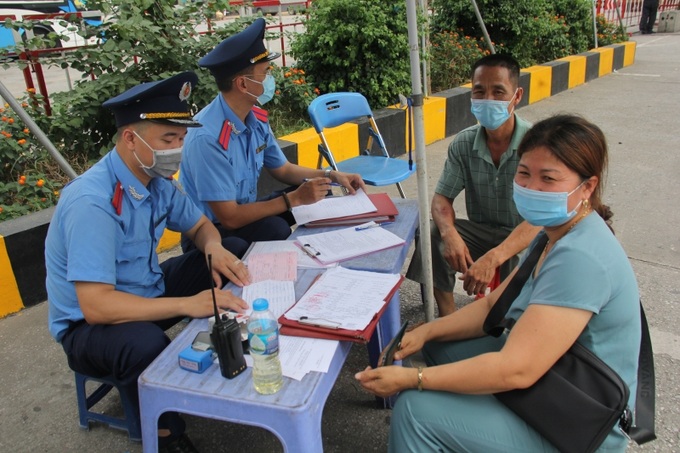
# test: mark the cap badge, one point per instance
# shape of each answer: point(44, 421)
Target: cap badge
point(185, 91)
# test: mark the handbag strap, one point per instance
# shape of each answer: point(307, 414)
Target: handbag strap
point(496, 323)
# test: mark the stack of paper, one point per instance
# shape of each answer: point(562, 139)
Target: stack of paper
point(332, 207)
point(342, 304)
point(386, 212)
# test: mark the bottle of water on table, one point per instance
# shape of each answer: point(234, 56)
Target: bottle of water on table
point(263, 337)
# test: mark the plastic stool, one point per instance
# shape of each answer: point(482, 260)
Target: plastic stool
point(131, 422)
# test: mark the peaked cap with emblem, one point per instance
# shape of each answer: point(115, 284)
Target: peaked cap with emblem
point(163, 101)
point(238, 51)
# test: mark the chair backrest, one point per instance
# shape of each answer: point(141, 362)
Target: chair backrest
point(334, 109)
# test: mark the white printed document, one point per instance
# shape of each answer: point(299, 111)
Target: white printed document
point(346, 243)
point(332, 207)
point(344, 299)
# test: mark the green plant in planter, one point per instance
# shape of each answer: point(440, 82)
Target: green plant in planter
point(30, 180)
point(356, 45)
point(451, 58)
point(288, 109)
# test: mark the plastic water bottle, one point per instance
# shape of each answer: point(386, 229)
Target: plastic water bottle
point(263, 337)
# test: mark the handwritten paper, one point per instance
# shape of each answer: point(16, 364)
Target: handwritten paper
point(346, 298)
point(304, 261)
point(280, 266)
point(280, 294)
point(332, 207)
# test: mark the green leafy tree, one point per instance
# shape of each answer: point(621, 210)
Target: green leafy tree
point(142, 40)
point(533, 31)
point(356, 45)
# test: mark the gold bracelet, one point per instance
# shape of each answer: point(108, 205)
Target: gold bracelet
point(420, 379)
point(285, 198)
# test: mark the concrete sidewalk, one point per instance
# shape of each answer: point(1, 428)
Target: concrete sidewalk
point(638, 108)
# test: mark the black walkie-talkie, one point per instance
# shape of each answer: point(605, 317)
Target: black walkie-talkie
point(226, 339)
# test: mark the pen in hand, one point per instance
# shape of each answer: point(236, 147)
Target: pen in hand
point(334, 184)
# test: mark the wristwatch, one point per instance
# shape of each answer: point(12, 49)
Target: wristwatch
point(327, 173)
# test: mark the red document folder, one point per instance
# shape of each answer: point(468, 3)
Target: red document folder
point(297, 329)
point(386, 211)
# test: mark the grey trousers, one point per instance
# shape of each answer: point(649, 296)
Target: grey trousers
point(479, 239)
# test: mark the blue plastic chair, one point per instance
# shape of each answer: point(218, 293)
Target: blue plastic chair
point(332, 110)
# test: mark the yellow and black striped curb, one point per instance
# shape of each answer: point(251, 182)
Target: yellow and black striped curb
point(22, 241)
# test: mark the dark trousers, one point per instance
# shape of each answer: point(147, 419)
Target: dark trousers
point(123, 351)
point(648, 17)
point(274, 228)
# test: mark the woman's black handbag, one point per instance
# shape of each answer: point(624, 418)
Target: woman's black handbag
point(578, 401)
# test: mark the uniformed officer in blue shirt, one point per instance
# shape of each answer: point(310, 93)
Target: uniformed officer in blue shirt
point(110, 300)
point(223, 159)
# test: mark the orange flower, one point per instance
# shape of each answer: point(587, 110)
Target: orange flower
point(43, 199)
point(4, 118)
point(278, 92)
point(56, 193)
point(22, 178)
point(21, 142)
point(317, 91)
point(26, 131)
point(40, 183)
point(31, 90)
point(10, 121)
point(22, 182)
point(302, 72)
point(24, 104)
point(1, 209)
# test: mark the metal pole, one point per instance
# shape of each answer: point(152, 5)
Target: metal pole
point(483, 27)
point(618, 14)
point(595, 22)
point(424, 46)
point(421, 164)
point(39, 134)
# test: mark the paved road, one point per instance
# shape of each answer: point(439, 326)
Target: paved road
point(637, 107)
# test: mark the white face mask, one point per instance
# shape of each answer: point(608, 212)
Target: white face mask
point(165, 162)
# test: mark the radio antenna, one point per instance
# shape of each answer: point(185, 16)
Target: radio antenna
point(212, 289)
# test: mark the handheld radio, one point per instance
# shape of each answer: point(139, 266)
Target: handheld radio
point(226, 339)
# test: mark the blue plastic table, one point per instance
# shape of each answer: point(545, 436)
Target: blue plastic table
point(294, 413)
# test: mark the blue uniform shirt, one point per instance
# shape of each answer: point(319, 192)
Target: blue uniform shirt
point(211, 172)
point(89, 241)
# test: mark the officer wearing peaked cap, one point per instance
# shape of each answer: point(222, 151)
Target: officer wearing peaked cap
point(109, 298)
point(223, 159)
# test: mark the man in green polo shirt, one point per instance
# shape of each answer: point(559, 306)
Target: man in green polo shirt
point(482, 159)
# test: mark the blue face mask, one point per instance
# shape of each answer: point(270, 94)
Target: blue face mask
point(269, 85)
point(491, 114)
point(547, 209)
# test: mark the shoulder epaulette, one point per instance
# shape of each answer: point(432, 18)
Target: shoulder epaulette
point(260, 113)
point(225, 135)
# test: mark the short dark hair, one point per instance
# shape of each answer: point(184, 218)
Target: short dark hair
point(499, 60)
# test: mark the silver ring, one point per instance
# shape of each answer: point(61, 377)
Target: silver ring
point(237, 261)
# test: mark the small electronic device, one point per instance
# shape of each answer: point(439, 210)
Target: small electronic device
point(199, 356)
point(387, 356)
point(226, 339)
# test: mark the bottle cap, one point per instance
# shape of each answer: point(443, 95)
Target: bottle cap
point(260, 304)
